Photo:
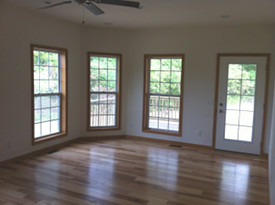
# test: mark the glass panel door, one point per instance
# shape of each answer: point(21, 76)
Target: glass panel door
point(240, 99)
point(241, 91)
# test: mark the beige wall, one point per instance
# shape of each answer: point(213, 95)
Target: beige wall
point(18, 30)
point(200, 46)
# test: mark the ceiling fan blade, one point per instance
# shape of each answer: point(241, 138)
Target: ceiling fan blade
point(93, 8)
point(133, 4)
point(57, 4)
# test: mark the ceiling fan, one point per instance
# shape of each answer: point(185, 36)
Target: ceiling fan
point(90, 4)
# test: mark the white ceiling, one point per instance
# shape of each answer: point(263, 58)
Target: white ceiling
point(164, 13)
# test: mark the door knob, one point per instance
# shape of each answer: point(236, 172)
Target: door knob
point(221, 111)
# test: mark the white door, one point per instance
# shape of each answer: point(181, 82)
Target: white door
point(240, 108)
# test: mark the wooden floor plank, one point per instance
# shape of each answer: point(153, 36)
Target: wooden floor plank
point(135, 172)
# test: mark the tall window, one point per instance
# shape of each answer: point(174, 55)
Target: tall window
point(104, 91)
point(162, 106)
point(49, 92)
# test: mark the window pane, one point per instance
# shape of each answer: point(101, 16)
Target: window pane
point(231, 132)
point(111, 109)
point(246, 118)
point(94, 109)
point(36, 86)
point(94, 121)
point(165, 77)
point(55, 126)
point(103, 75)
point(111, 75)
point(94, 73)
point(153, 122)
point(174, 125)
point(102, 109)
point(94, 85)
point(154, 87)
point(37, 116)
point(176, 64)
point(174, 113)
point(249, 71)
point(44, 72)
point(53, 73)
point(112, 63)
point(247, 103)
point(102, 86)
point(232, 117)
point(245, 134)
point(235, 71)
point(103, 63)
point(45, 101)
point(234, 87)
point(44, 86)
point(46, 114)
point(154, 100)
point(37, 102)
point(37, 130)
point(36, 72)
point(46, 128)
point(165, 88)
point(102, 120)
point(155, 76)
point(54, 86)
point(55, 113)
point(111, 98)
point(43, 58)
point(248, 87)
point(163, 124)
point(233, 102)
point(175, 89)
point(94, 98)
point(111, 120)
point(35, 57)
point(175, 77)
point(155, 64)
point(153, 111)
point(55, 100)
point(94, 63)
point(165, 64)
point(111, 86)
point(175, 102)
point(53, 59)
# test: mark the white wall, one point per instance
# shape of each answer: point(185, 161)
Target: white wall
point(200, 46)
point(18, 30)
point(272, 158)
point(272, 145)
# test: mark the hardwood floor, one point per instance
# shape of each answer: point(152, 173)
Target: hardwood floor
point(132, 172)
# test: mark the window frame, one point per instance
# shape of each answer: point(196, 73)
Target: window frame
point(63, 83)
point(146, 94)
point(118, 92)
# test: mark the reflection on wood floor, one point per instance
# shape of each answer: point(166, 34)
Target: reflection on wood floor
point(130, 172)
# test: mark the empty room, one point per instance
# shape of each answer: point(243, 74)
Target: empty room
point(115, 102)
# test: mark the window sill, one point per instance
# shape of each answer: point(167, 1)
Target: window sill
point(154, 131)
point(48, 138)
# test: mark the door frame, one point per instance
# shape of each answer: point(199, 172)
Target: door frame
point(219, 56)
